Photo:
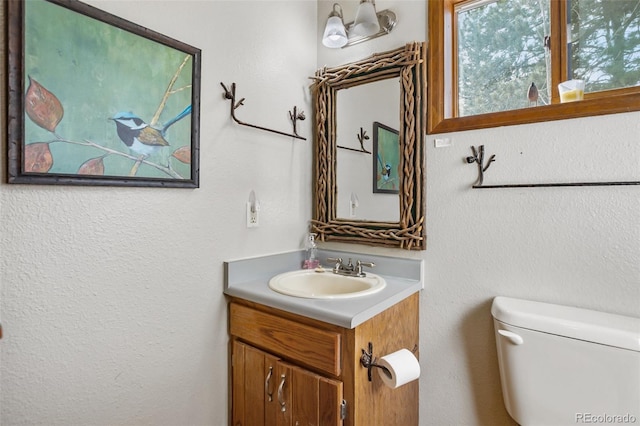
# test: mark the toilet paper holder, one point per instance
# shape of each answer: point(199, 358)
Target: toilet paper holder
point(368, 361)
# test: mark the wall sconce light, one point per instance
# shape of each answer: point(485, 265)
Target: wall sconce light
point(367, 25)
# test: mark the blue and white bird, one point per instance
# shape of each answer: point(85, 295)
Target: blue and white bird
point(385, 169)
point(139, 136)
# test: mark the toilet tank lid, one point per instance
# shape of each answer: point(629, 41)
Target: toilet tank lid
point(592, 326)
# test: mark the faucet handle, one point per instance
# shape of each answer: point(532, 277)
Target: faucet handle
point(337, 263)
point(359, 266)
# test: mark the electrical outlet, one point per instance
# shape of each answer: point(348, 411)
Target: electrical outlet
point(252, 216)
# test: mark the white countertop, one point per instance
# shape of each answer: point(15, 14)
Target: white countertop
point(249, 279)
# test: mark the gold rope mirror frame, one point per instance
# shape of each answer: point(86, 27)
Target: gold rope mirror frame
point(408, 63)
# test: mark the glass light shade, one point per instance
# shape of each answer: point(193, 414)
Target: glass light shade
point(335, 34)
point(366, 22)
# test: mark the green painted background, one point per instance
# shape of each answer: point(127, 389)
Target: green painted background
point(389, 152)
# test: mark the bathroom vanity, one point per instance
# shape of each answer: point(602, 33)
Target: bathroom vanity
point(297, 361)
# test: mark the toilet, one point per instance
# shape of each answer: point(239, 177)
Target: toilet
point(561, 365)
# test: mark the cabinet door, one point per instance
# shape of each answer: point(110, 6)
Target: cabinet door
point(315, 400)
point(272, 412)
point(281, 416)
point(254, 386)
point(269, 392)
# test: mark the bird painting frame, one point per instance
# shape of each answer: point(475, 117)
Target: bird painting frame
point(386, 159)
point(94, 99)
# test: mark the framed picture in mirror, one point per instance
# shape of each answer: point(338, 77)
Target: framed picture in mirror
point(386, 159)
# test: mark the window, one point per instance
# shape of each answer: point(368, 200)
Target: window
point(499, 51)
point(484, 56)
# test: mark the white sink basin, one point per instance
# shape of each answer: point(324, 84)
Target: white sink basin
point(311, 284)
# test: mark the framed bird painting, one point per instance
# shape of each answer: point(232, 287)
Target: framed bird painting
point(95, 99)
point(386, 159)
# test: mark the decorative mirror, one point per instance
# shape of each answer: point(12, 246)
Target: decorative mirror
point(352, 102)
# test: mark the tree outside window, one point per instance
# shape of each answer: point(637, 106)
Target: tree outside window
point(605, 43)
point(491, 61)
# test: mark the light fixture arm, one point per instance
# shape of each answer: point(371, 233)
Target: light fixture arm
point(387, 20)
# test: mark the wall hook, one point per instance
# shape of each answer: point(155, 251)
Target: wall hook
point(478, 157)
point(368, 361)
point(361, 138)
point(294, 116)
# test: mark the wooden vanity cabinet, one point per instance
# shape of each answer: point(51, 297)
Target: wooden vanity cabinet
point(313, 369)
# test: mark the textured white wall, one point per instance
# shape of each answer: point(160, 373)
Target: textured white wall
point(112, 297)
point(111, 300)
point(574, 246)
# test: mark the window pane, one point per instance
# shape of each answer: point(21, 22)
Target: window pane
point(605, 43)
point(501, 51)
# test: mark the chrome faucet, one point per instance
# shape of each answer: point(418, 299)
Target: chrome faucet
point(349, 270)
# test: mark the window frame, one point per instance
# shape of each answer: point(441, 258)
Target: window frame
point(441, 77)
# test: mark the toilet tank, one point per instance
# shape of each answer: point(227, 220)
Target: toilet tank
point(561, 365)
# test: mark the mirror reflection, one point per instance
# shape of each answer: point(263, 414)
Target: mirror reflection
point(377, 197)
point(368, 182)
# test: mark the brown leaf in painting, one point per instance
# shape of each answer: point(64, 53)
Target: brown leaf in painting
point(37, 158)
point(93, 166)
point(42, 106)
point(183, 154)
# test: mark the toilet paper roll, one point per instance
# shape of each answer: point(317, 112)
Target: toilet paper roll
point(401, 366)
